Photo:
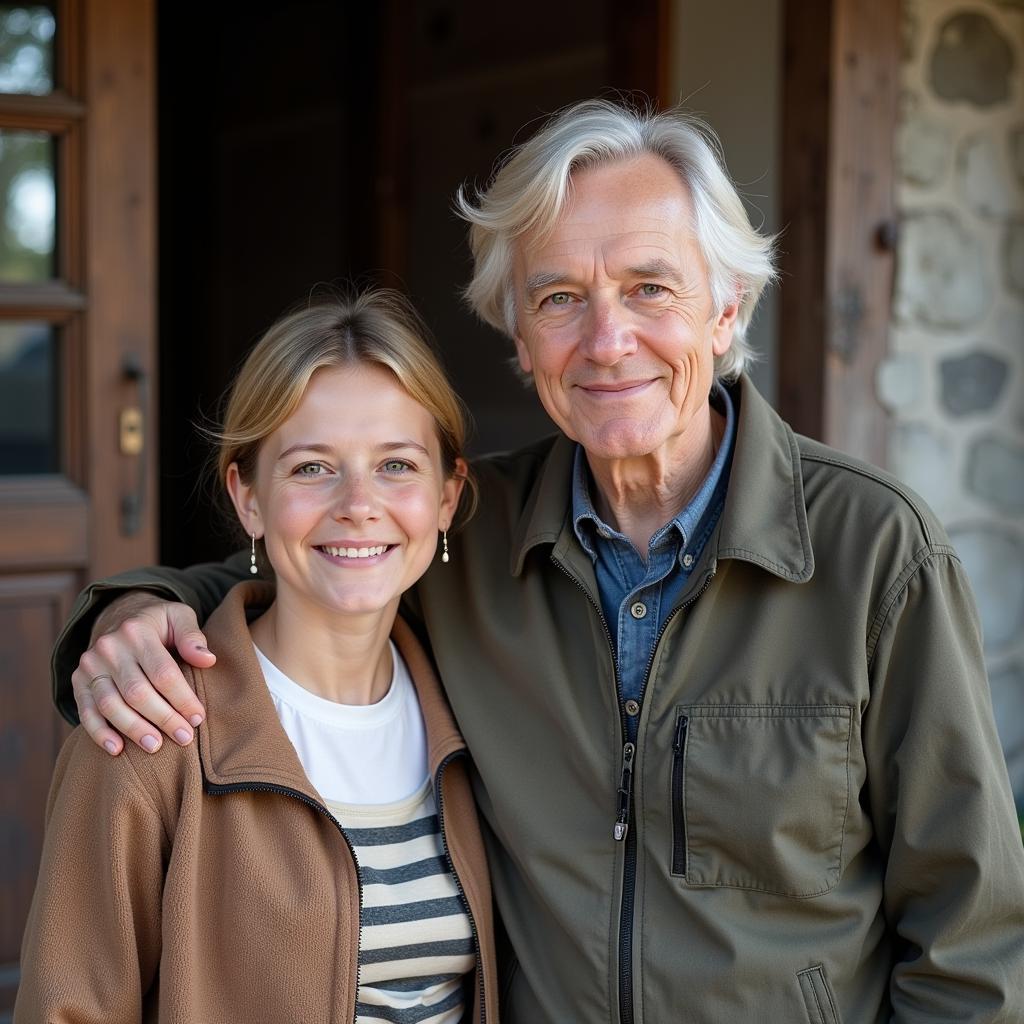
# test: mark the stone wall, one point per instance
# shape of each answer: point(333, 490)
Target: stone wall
point(954, 381)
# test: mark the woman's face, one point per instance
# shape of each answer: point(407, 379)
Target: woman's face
point(349, 493)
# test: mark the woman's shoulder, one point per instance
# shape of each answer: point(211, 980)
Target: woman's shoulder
point(161, 780)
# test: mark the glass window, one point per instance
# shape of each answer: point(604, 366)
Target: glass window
point(26, 49)
point(29, 398)
point(29, 204)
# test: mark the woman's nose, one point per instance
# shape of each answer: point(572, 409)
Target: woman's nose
point(355, 499)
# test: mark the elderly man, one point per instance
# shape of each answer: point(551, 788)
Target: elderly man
point(723, 686)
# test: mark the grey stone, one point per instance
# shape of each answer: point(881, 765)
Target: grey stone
point(984, 178)
point(899, 381)
point(1006, 330)
point(924, 145)
point(1017, 151)
point(995, 473)
point(941, 279)
point(972, 383)
point(972, 61)
point(994, 560)
point(1007, 685)
point(1014, 256)
point(920, 458)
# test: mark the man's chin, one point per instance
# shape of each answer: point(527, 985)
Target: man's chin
point(630, 441)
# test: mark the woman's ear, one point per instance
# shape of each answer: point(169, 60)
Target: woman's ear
point(243, 497)
point(450, 494)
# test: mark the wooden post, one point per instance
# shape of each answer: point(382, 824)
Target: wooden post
point(841, 69)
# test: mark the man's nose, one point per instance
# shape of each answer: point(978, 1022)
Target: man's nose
point(609, 332)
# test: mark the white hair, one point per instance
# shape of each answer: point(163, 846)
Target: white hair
point(532, 186)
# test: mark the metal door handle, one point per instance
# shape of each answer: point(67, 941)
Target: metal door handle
point(132, 434)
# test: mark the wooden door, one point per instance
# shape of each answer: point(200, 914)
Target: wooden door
point(77, 290)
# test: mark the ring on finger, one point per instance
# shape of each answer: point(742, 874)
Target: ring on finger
point(96, 679)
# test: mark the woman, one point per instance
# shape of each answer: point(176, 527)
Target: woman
point(315, 856)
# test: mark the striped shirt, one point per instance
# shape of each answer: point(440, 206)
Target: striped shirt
point(415, 939)
point(416, 942)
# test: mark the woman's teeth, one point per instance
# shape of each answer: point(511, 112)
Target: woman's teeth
point(355, 552)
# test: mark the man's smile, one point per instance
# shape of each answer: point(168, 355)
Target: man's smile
point(615, 389)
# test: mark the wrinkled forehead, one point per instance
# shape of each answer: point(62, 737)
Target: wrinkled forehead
point(642, 197)
point(647, 233)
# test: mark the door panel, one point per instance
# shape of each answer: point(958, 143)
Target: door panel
point(77, 294)
point(32, 608)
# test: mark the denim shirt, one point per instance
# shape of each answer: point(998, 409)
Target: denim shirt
point(637, 597)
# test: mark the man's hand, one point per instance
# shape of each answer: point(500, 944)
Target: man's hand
point(128, 680)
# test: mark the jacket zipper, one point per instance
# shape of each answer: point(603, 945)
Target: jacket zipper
point(678, 814)
point(621, 830)
point(625, 793)
point(268, 787)
point(439, 800)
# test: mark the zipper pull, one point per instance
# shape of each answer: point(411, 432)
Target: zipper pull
point(680, 740)
point(625, 793)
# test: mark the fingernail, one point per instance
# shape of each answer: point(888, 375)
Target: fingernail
point(183, 736)
point(202, 647)
point(196, 720)
point(150, 743)
point(110, 747)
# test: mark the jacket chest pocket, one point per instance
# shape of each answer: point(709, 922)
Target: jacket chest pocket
point(760, 795)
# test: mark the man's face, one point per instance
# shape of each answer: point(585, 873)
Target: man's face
point(615, 316)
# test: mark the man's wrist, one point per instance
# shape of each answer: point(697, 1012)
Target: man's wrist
point(120, 608)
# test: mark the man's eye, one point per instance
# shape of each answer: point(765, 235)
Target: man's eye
point(651, 290)
point(560, 299)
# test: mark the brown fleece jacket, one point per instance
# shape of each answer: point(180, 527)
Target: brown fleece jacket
point(209, 883)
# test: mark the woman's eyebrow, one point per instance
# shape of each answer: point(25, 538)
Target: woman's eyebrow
point(324, 449)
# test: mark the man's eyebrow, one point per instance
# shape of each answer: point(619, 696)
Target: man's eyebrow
point(657, 268)
point(543, 279)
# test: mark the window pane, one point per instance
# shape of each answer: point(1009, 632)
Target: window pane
point(26, 48)
point(29, 204)
point(29, 438)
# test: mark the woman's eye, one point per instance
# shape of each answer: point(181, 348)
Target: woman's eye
point(311, 469)
point(396, 466)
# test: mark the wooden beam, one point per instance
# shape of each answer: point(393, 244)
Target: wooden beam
point(840, 75)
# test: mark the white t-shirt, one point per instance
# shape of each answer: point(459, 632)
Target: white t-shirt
point(355, 754)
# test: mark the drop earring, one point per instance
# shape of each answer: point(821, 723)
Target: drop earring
point(252, 557)
point(444, 541)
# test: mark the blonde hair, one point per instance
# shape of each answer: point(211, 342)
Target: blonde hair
point(532, 187)
point(378, 327)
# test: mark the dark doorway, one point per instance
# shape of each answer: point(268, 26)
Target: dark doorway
point(319, 141)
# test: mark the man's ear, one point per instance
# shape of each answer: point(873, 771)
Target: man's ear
point(523, 355)
point(243, 497)
point(725, 327)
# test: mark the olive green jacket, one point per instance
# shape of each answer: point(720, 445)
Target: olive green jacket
point(815, 824)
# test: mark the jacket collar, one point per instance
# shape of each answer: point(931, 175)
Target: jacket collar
point(764, 520)
point(242, 740)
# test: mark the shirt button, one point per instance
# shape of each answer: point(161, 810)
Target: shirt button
point(687, 560)
point(632, 708)
point(638, 610)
